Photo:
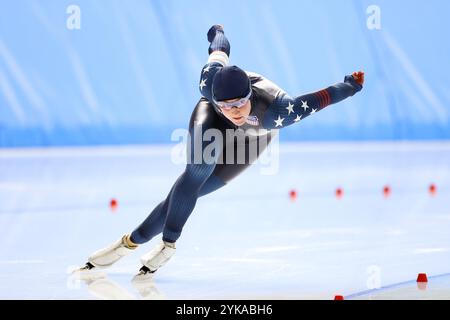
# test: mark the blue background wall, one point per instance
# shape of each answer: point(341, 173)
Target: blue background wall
point(130, 74)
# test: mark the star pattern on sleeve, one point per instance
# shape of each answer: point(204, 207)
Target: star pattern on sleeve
point(279, 122)
point(296, 116)
point(202, 83)
point(286, 110)
point(305, 105)
point(206, 69)
point(290, 108)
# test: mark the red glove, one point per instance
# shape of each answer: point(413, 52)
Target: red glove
point(359, 77)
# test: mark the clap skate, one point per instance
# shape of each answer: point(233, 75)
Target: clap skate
point(153, 260)
point(106, 257)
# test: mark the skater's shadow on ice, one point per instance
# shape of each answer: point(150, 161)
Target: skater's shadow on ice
point(101, 287)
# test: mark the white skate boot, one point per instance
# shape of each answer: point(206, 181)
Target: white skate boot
point(153, 260)
point(108, 256)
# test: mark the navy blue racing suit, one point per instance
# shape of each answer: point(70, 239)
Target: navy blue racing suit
point(271, 109)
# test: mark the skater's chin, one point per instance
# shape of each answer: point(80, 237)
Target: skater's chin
point(239, 121)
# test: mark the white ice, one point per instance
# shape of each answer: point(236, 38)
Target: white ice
point(247, 240)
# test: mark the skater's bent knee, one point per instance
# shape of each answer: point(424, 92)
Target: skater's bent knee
point(138, 237)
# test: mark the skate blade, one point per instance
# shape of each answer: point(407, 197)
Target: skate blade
point(142, 278)
point(88, 274)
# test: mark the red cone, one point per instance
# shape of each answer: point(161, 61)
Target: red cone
point(422, 277)
point(113, 204)
point(339, 193)
point(293, 194)
point(432, 189)
point(386, 191)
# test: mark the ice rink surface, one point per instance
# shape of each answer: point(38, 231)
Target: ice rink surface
point(248, 240)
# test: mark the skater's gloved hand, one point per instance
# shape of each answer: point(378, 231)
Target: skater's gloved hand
point(359, 77)
point(213, 30)
point(356, 80)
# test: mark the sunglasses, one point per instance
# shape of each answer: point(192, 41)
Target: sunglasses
point(235, 104)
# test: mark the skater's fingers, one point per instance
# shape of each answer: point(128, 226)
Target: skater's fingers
point(359, 77)
point(362, 78)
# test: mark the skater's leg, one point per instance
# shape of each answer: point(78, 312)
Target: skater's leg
point(194, 182)
point(228, 171)
point(154, 223)
point(212, 184)
point(152, 226)
point(223, 172)
point(183, 198)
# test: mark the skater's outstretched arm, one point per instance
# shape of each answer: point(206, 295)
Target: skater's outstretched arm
point(219, 52)
point(285, 110)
